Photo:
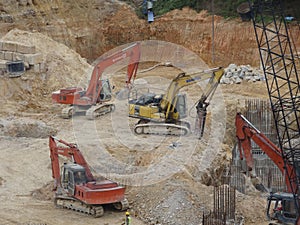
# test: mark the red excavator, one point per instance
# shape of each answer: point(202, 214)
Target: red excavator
point(75, 186)
point(91, 101)
point(245, 132)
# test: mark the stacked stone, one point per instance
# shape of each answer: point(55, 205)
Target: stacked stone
point(13, 51)
point(236, 74)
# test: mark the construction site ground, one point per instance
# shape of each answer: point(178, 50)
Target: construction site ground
point(26, 182)
point(169, 180)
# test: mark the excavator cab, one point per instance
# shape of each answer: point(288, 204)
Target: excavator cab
point(72, 174)
point(147, 106)
point(181, 105)
point(281, 208)
point(105, 93)
point(147, 99)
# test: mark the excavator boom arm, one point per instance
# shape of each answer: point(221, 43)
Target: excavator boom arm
point(245, 132)
point(70, 151)
point(132, 52)
point(212, 84)
point(183, 80)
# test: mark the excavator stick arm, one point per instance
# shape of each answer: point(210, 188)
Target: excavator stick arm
point(54, 163)
point(132, 52)
point(245, 132)
point(203, 102)
point(69, 151)
point(183, 80)
point(132, 68)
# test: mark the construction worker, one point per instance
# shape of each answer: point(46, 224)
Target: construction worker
point(127, 218)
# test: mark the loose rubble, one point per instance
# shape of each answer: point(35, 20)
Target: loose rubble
point(237, 74)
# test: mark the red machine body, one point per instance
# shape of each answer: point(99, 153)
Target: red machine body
point(98, 90)
point(245, 132)
point(88, 192)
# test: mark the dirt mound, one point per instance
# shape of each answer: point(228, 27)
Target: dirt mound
point(44, 193)
point(32, 91)
point(187, 14)
point(25, 127)
point(175, 201)
point(63, 65)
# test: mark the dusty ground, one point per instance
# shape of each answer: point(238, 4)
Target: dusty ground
point(164, 185)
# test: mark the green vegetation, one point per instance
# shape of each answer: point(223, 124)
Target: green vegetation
point(223, 8)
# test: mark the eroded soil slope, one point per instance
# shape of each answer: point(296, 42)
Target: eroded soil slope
point(93, 27)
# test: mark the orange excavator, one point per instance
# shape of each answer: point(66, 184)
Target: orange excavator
point(75, 186)
point(245, 132)
point(94, 100)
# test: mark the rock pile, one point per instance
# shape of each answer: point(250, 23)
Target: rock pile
point(236, 74)
point(177, 207)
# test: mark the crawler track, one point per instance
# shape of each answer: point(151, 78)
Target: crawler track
point(68, 112)
point(99, 110)
point(93, 210)
point(90, 113)
point(73, 204)
point(121, 206)
point(162, 129)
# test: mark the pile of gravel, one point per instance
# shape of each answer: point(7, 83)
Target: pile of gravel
point(171, 203)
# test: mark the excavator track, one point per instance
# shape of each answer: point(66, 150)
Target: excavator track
point(68, 112)
point(99, 110)
point(75, 205)
point(121, 206)
point(162, 129)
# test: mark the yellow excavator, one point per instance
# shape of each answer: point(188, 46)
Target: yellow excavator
point(162, 114)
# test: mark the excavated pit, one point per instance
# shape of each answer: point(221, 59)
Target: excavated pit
point(169, 194)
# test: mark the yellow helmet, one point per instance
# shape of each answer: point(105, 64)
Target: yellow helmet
point(127, 213)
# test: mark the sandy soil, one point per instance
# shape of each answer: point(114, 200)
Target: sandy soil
point(156, 175)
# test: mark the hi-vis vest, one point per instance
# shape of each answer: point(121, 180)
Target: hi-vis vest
point(128, 220)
